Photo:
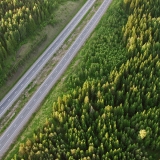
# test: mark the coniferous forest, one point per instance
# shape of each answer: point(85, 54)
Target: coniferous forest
point(19, 19)
point(112, 109)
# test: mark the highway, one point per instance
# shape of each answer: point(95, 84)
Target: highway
point(22, 118)
point(27, 78)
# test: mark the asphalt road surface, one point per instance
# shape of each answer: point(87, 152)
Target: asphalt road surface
point(16, 126)
point(16, 91)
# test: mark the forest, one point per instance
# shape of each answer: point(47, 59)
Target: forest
point(112, 109)
point(19, 19)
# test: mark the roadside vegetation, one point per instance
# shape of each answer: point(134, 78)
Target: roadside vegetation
point(108, 108)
